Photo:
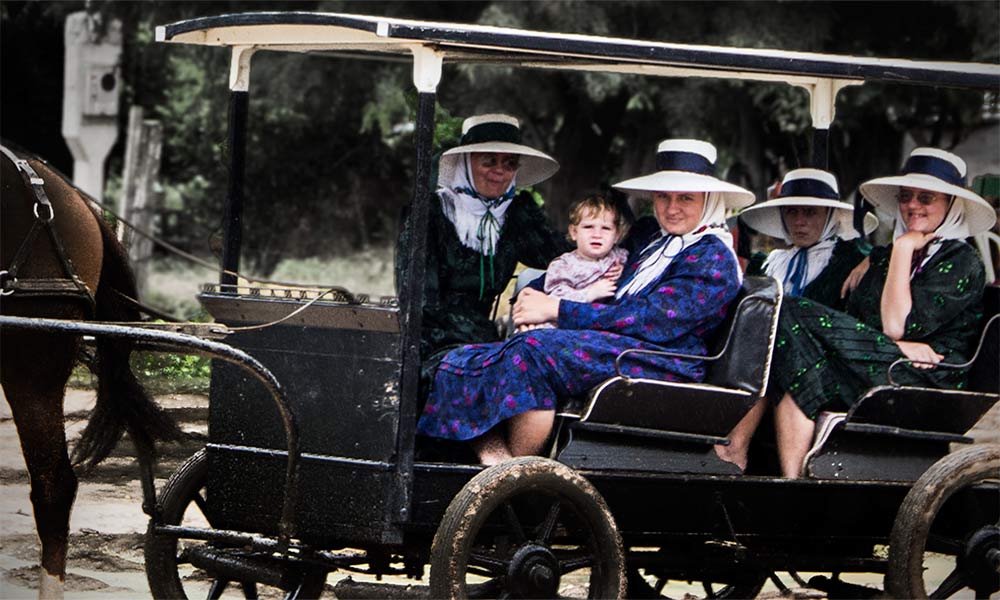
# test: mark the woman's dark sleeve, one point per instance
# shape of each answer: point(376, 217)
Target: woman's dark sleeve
point(537, 242)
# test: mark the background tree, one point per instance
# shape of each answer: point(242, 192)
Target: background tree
point(330, 142)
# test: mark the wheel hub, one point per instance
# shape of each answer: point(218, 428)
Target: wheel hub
point(533, 572)
point(981, 559)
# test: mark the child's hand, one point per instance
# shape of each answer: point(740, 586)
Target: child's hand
point(602, 288)
point(614, 272)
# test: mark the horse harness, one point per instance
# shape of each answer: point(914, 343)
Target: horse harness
point(70, 285)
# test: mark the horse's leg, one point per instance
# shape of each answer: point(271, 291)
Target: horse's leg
point(35, 370)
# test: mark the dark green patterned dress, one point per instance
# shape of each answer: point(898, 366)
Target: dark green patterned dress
point(825, 358)
point(455, 313)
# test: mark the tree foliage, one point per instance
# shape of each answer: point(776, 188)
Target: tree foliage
point(330, 140)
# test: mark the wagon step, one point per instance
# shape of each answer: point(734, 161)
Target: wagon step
point(229, 564)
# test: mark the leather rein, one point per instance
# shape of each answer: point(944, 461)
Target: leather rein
point(68, 286)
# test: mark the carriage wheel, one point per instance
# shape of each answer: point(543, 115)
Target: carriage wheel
point(940, 516)
point(527, 528)
point(170, 575)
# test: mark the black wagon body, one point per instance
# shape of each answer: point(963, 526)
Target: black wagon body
point(318, 468)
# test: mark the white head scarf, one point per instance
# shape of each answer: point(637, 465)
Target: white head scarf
point(816, 257)
point(649, 270)
point(467, 209)
point(955, 226)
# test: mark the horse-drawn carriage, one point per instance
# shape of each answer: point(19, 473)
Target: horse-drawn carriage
point(312, 465)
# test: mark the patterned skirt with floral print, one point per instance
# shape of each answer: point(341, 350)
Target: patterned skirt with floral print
point(826, 358)
point(480, 385)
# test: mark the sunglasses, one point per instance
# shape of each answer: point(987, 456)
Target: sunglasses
point(924, 198)
point(508, 163)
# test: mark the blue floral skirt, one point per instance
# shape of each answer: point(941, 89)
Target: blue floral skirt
point(480, 385)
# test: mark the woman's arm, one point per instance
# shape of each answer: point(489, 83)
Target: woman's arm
point(534, 307)
point(896, 299)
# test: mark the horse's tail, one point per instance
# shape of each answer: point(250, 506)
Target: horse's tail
point(122, 402)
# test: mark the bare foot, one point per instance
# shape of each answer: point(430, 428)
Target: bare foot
point(732, 455)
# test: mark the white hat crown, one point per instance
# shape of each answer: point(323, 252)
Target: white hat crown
point(685, 165)
point(806, 174)
point(700, 147)
point(471, 122)
point(944, 155)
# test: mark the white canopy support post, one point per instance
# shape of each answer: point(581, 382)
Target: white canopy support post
point(239, 68)
point(426, 69)
point(426, 76)
point(823, 108)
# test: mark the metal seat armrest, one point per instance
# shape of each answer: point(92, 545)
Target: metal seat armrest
point(965, 365)
point(716, 356)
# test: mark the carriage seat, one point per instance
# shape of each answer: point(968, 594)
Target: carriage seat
point(894, 433)
point(684, 419)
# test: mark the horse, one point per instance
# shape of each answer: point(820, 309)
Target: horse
point(60, 259)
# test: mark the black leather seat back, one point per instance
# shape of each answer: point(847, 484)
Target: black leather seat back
point(749, 329)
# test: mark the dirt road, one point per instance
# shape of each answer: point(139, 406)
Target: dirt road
point(105, 555)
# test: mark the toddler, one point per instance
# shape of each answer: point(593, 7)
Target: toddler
point(590, 272)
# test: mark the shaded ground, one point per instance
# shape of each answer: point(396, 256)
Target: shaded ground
point(105, 555)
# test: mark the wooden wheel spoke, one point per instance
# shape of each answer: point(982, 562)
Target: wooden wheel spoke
point(549, 524)
point(945, 545)
point(492, 565)
point(202, 504)
point(490, 589)
point(513, 523)
point(572, 563)
point(951, 584)
point(218, 587)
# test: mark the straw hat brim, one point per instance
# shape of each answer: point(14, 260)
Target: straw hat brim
point(883, 193)
point(734, 196)
point(766, 216)
point(535, 166)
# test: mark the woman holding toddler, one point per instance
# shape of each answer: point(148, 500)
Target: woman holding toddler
point(676, 287)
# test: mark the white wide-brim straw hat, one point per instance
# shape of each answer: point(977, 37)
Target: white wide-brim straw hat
point(498, 133)
point(936, 171)
point(687, 166)
point(805, 187)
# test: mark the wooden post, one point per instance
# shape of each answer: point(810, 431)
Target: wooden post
point(140, 200)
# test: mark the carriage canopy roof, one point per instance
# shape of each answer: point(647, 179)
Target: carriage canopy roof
point(367, 35)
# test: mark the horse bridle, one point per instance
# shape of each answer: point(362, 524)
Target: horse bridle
point(68, 286)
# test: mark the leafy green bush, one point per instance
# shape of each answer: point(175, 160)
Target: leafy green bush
point(164, 373)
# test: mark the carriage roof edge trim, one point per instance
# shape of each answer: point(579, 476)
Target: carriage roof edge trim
point(311, 32)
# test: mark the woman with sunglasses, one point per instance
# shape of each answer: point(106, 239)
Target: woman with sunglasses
point(920, 300)
point(479, 228)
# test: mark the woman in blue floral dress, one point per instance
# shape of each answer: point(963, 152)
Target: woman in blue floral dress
point(681, 276)
point(920, 299)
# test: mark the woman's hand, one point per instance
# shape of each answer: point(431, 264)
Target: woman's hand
point(602, 288)
point(534, 307)
point(854, 277)
point(911, 241)
point(917, 351)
